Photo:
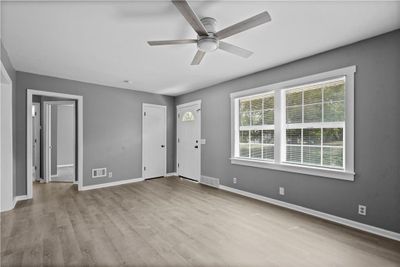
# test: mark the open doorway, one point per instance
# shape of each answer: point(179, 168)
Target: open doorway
point(54, 138)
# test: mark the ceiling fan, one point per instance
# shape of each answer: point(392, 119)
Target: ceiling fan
point(208, 39)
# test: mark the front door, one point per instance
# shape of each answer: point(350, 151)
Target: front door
point(188, 140)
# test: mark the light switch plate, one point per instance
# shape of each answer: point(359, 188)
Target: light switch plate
point(281, 191)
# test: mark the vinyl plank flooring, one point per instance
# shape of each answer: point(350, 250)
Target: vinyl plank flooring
point(174, 222)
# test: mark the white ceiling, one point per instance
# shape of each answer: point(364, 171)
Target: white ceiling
point(105, 42)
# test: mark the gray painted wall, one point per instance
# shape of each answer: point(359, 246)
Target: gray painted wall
point(65, 135)
point(12, 73)
point(377, 142)
point(112, 127)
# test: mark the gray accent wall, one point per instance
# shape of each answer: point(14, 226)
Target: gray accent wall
point(13, 76)
point(377, 135)
point(112, 131)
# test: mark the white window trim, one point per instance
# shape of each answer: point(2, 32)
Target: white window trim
point(346, 174)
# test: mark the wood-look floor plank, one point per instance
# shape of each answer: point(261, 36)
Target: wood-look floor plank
point(174, 222)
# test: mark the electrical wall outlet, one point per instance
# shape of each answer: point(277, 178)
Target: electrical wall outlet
point(110, 175)
point(281, 191)
point(362, 210)
point(234, 180)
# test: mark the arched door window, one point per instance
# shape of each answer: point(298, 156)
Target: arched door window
point(188, 116)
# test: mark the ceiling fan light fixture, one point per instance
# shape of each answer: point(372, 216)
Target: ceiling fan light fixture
point(208, 44)
point(208, 38)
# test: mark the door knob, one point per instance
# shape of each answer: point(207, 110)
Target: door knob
point(162, 146)
point(196, 146)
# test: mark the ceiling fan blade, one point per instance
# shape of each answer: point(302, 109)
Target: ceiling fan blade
point(198, 57)
point(190, 16)
point(244, 25)
point(172, 42)
point(236, 50)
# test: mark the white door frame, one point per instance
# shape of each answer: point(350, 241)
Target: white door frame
point(47, 144)
point(178, 108)
point(30, 93)
point(47, 141)
point(7, 201)
point(38, 111)
point(165, 141)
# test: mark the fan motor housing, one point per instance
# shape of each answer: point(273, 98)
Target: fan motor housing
point(207, 43)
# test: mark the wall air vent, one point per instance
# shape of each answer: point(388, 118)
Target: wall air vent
point(210, 181)
point(99, 172)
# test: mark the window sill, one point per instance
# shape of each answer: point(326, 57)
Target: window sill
point(315, 171)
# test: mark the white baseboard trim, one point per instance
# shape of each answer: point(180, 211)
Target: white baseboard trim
point(20, 198)
point(103, 185)
point(9, 207)
point(171, 174)
point(15, 200)
point(65, 165)
point(321, 215)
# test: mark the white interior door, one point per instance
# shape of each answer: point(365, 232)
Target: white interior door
point(36, 141)
point(154, 138)
point(188, 140)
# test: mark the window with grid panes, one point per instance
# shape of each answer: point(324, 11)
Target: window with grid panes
point(256, 130)
point(304, 125)
point(315, 124)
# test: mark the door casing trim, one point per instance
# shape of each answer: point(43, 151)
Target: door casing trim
point(79, 141)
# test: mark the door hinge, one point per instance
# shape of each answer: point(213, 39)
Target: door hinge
point(179, 140)
point(179, 115)
point(178, 165)
point(144, 114)
point(144, 168)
